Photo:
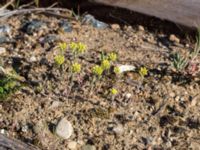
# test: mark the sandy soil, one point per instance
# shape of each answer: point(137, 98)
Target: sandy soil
point(161, 112)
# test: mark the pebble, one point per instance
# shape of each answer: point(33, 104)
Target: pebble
point(33, 59)
point(2, 50)
point(118, 129)
point(115, 27)
point(173, 38)
point(141, 28)
point(55, 104)
point(64, 129)
point(88, 147)
point(128, 95)
point(72, 145)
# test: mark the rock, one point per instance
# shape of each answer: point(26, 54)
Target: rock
point(140, 28)
point(89, 19)
point(115, 27)
point(24, 128)
point(88, 147)
point(72, 145)
point(2, 50)
point(33, 26)
point(64, 129)
point(51, 38)
point(118, 130)
point(65, 26)
point(4, 29)
point(173, 38)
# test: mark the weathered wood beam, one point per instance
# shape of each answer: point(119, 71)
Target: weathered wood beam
point(184, 12)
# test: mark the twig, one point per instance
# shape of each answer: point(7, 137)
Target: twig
point(25, 11)
point(7, 4)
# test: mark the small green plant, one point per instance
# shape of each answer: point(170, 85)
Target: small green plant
point(143, 71)
point(105, 64)
point(59, 60)
point(113, 93)
point(97, 71)
point(77, 48)
point(8, 86)
point(179, 62)
point(76, 68)
point(112, 56)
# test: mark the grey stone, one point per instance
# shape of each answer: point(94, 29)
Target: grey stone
point(89, 19)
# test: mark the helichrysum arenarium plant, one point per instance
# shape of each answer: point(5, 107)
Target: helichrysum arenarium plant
point(112, 56)
point(77, 48)
point(105, 64)
point(113, 92)
point(143, 71)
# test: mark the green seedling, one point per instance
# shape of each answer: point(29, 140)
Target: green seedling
point(179, 63)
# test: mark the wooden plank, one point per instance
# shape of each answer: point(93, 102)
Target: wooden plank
point(185, 12)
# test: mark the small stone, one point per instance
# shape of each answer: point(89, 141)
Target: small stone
point(173, 38)
point(128, 95)
point(5, 29)
point(88, 147)
point(33, 59)
point(24, 128)
point(172, 94)
point(64, 129)
point(2, 50)
point(3, 131)
point(140, 28)
point(33, 26)
point(72, 145)
point(115, 27)
point(119, 129)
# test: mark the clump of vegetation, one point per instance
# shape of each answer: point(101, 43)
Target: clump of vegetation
point(8, 86)
point(187, 65)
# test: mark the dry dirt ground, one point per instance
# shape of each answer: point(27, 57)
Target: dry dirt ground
point(161, 112)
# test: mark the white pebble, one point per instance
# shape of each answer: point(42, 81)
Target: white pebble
point(64, 129)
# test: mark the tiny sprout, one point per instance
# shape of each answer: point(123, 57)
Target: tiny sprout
point(62, 46)
point(59, 59)
point(105, 64)
point(116, 70)
point(97, 70)
point(112, 56)
point(113, 91)
point(76, 67)
point(143, 71)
